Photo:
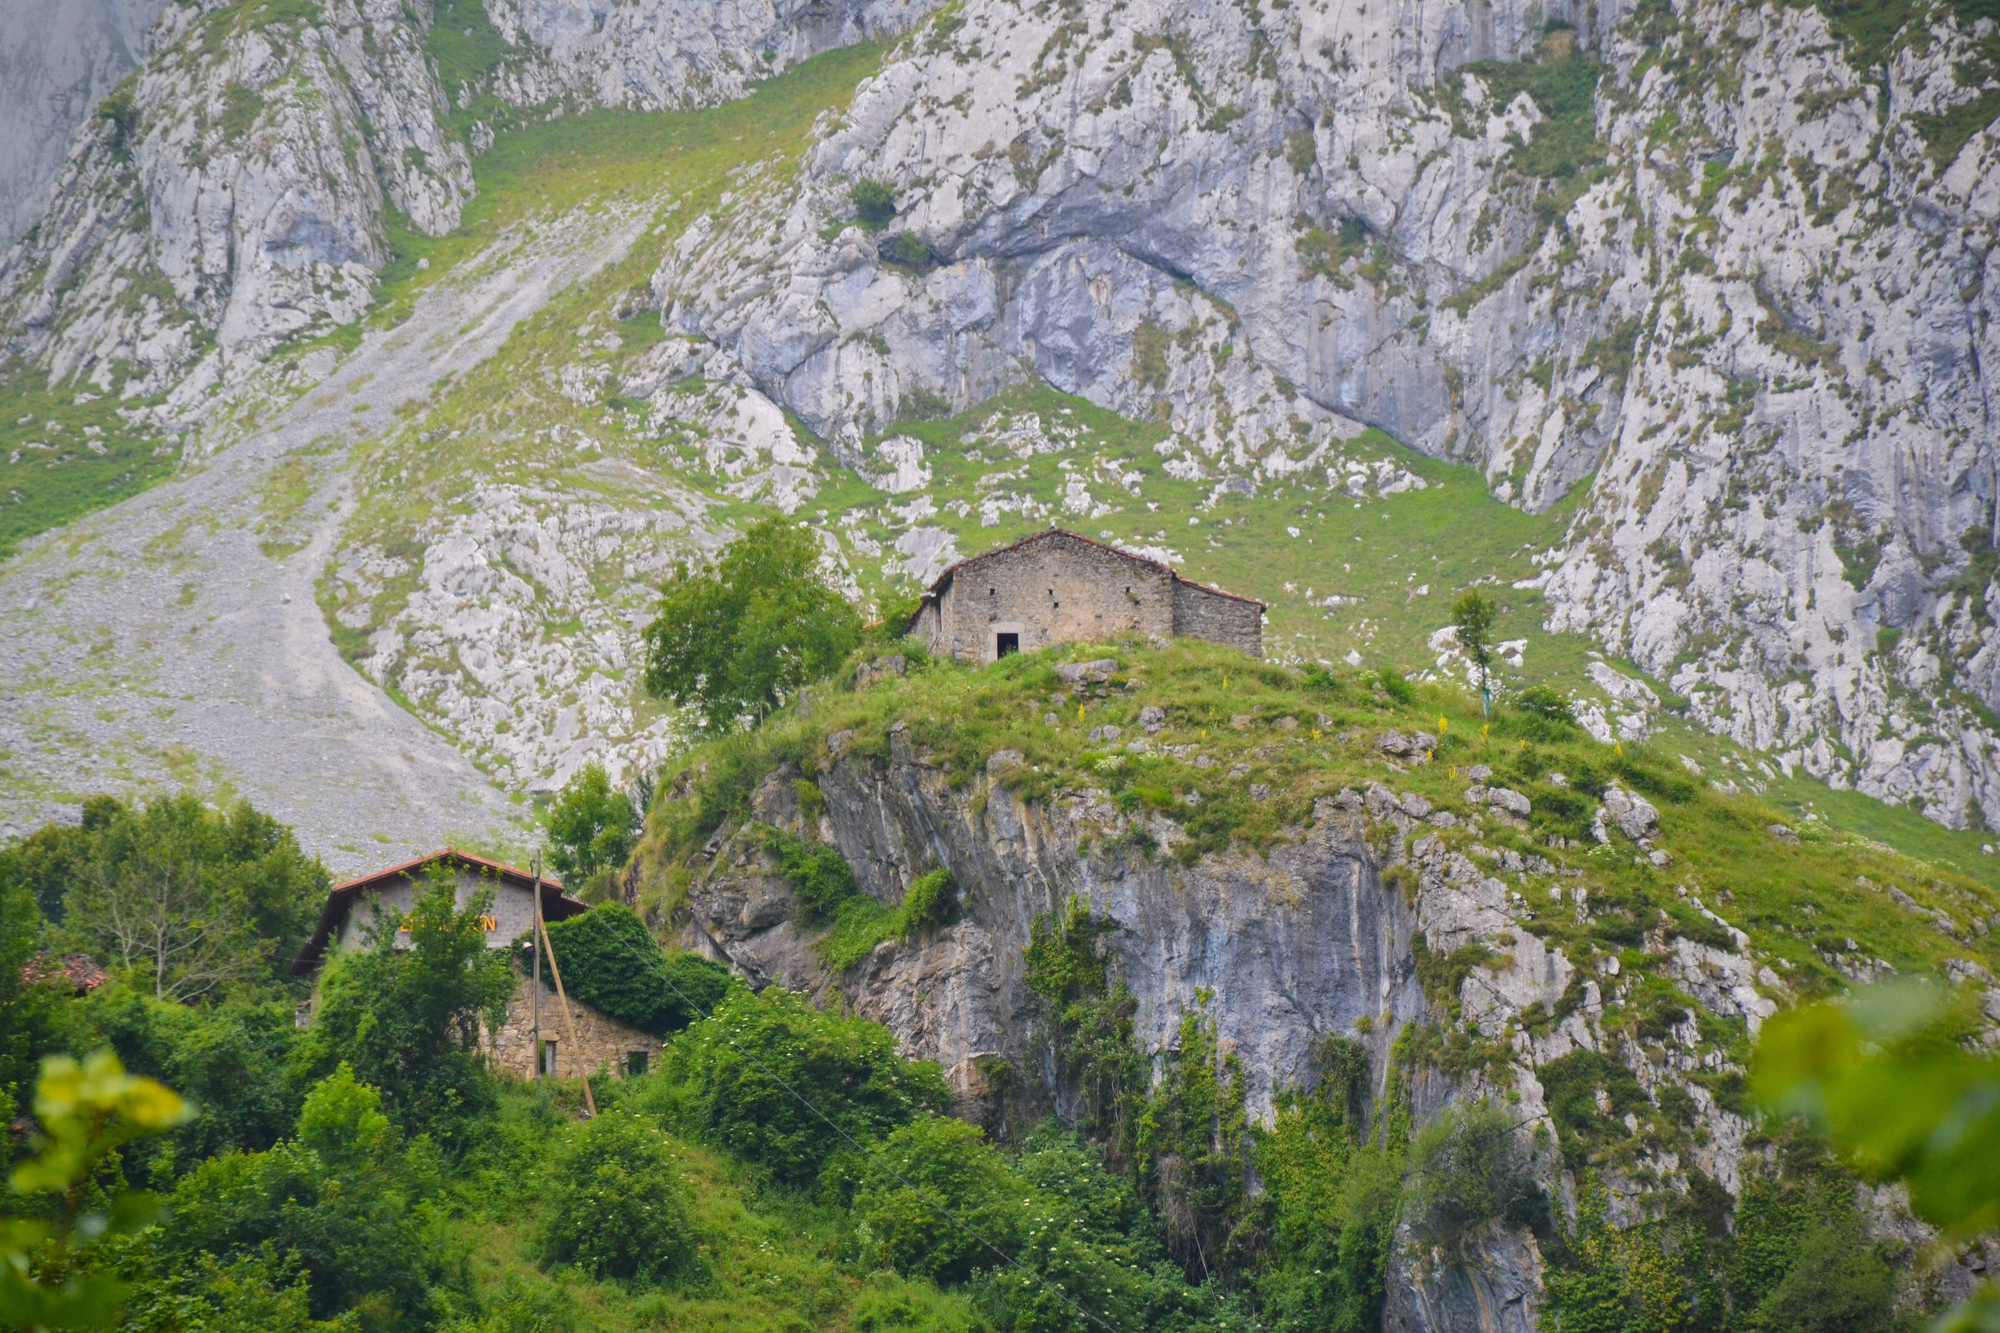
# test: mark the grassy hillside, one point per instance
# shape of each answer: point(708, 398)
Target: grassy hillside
point(1305, 735)
point(772, 1261)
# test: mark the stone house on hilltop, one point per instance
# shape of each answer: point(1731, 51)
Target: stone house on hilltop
point(353, 909)
point(1059, 587)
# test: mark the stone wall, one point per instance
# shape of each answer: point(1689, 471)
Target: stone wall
point(1218, 617)
point(605, 1042)
point(1055, 589)
point(1061, 588)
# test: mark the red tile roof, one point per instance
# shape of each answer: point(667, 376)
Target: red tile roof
point(78, 971)
point(556, 905)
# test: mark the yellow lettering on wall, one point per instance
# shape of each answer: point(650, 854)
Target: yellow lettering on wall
point(489, 923)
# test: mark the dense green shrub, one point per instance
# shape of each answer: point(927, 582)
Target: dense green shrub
point(923, 1171)
point(1467, 1168)
point(1330, 1202)
point(232, 1061)
point(616, 1205)
point(1090, 1020)
point(1573, 1085)
point(1802, 1261)
point(821, 878)
point(874, 203)
point(1795, 1258)
point(345, 1200)
point(1396, 685)
point(1191, 1146)
point(741, 1073)
point(612, 963)
point(1543, 702)
point(928, 902)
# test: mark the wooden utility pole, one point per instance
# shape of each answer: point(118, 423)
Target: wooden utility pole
point(537, 998)
point(569, 1024)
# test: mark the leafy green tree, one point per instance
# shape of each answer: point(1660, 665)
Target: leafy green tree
point(1472, 617)
point(33, 1019)
point(1886, 1074)
point(46, 862)
point(737, 639)
point(408, 1020)
point(345, 1200)
point(53, 1273)
point(591, 827)
point(939, 1202)
point(184, 900)
point(617, 1204)
point(612, 963)
point(231, 1060)
point(737, 1071)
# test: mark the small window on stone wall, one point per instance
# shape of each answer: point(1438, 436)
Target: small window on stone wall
point(548, 1063)
point(635, 1063)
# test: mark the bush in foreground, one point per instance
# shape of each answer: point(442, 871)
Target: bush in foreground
point(616, 1204)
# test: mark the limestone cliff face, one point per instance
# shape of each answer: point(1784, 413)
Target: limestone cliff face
point(1279, 950)
point(58, 60)
point(1295, 947)
point(1717, 262)
point(234, 200)
point(238, 201)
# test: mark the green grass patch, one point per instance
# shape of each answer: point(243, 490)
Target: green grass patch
point(608, 156)
point(65, 453)
point(1946, 133)
point(1563, 90)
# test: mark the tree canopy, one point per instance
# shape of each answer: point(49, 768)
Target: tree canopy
point(1472, 617)
point(184, 900)
point(737, 639)
point(591, 827)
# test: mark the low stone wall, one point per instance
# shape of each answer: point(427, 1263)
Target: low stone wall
point(1216, 616)
point(605, 1042)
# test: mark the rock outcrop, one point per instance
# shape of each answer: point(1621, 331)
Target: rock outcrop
point(1731, 263)
point(58, 60)
point(1317, 938)
point(237, 196)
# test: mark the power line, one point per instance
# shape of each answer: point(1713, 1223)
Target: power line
point(657, 962)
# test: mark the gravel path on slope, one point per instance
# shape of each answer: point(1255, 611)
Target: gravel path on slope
point(154, 643)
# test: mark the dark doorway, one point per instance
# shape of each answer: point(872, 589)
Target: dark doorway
point(1009, 643)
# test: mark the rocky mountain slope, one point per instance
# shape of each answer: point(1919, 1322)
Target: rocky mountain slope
point(1291, 862)
point(1696, 253)
point(1687, 303)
